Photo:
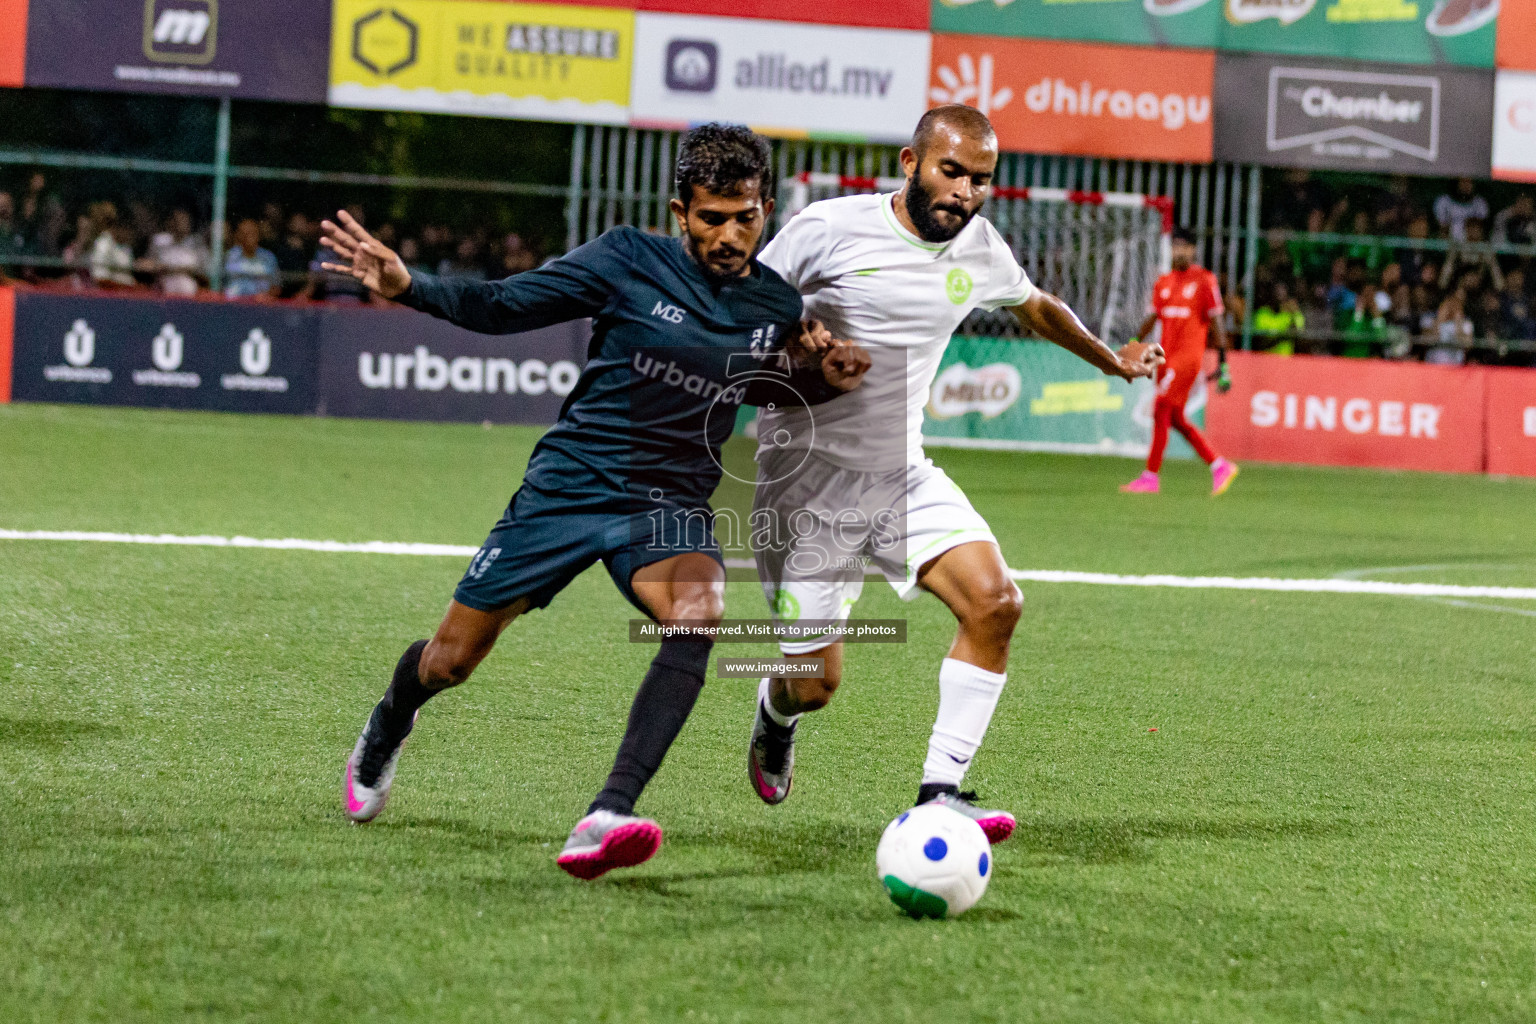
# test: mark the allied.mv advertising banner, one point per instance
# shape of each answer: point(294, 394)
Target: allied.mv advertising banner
point(1405, 31)
point(1080, 98)
point(554, 62)
point(1353, 115)
point(780, 78)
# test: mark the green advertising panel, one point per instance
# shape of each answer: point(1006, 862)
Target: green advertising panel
point(1401, 31)
point(1034, 396)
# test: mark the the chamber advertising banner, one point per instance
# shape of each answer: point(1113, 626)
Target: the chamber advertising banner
point(254, 49)
point(1081, 98)
point(1353, 115)
point(553, 62)
point(1402, 31)
point(780, 78)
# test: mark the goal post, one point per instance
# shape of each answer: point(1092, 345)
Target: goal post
point(1100, 252)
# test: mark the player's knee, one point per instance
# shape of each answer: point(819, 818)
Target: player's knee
point(813, 694)
point(445, 664)
point(706, 607)
point(997, 610)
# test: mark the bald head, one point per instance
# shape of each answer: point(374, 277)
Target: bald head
point(953, 120)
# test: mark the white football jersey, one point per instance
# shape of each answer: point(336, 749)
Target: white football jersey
point(872, 281)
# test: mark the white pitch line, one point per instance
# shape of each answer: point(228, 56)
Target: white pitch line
point(381, 547)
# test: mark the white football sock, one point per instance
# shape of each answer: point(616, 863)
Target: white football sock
point(967, 697)
point(773, 713)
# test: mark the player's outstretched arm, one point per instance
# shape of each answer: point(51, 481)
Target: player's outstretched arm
point(574, 286)
point(1054, 321)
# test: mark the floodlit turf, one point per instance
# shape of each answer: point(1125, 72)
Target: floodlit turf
point(1333, 820)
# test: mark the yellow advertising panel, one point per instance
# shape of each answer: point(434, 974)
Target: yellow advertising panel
point(541, 61)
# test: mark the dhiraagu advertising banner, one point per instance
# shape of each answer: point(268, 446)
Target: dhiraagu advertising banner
point(1034, 396)
point(540, 61)
point(1402, 31)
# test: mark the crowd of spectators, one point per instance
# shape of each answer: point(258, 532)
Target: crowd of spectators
point(1384, 272)
point(272, 253)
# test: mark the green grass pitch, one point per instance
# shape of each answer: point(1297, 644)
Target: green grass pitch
point(1333, 820)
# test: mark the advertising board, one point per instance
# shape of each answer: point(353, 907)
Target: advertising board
point(273, 50)
point(554, 62)
point(1079, 98)
point(780, 78)
point(1350, 115)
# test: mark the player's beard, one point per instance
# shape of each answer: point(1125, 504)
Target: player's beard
point(920, 207)
point(696, 252)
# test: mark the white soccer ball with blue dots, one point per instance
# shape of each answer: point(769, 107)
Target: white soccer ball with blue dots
point(934, 861)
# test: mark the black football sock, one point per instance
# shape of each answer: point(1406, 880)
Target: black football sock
point(928, 790)
point(661, 707)
point(405, 695)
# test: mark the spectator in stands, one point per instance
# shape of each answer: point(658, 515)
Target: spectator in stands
point(111, 257)
point(43, 218)
point(12, 243)
point(177, 257)
point(249, 270)
point(1279, 321)
point(516, 255)
point(1472, 253)
point(1365, 333)
point(1455, 212)
point(1413, 258)
point(1402, 323)
point(1453, 331)
point(1309, 257)
point(1367, 250)
point(1516, 223)
point(293, 255)
point(271, 225)
point(1340, 296)
point(410, 255)
point(1394, 208)
point(1517, 319)
point(466, 261)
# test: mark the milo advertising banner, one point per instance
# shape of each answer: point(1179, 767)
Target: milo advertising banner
point(1403, 31)
point(1034, 396)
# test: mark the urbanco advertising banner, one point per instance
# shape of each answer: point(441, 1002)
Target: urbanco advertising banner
point(1511, 420)
point(888, 14)
point(13, 42)
point(1354, 116)
point(1514, 126)
point(1034, 396)
point(1402, 31)
point(398, 365)
point(1517, 36)
point(1323, 410)
point(1079, 98)
point(178, 354)
point(252, 49)
point(780, 78)
point(554, 62)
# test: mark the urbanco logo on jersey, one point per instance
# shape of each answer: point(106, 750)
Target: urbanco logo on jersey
point(79, 351)
point(990, 390)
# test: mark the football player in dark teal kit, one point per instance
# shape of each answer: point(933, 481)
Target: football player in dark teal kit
point(675, 321)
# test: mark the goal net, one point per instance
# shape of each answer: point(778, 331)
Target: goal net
point(1100, 252)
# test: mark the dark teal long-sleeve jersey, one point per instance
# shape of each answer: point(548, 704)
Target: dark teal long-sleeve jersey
point(673, 355)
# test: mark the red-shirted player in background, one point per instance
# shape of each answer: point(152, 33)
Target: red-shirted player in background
point(1188, 302)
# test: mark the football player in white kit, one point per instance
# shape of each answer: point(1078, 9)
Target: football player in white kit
point(851, 486)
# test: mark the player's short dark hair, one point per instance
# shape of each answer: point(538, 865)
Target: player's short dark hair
point(964, 119)
point(723, 159)
point(1184, 235)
